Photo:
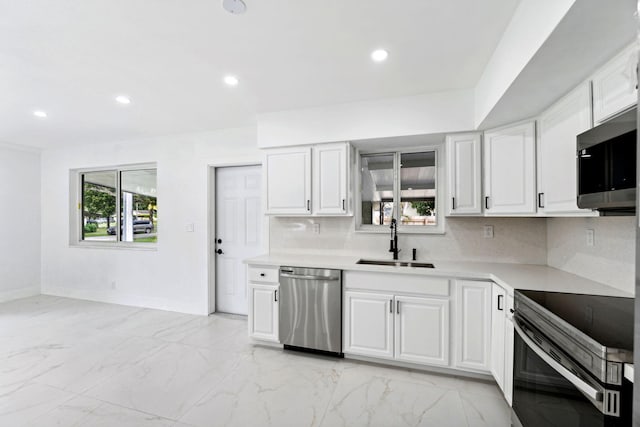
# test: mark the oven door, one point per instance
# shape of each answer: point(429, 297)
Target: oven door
point(549, 389)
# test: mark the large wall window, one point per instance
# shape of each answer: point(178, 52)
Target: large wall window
point(119, 205)
point(403, 185)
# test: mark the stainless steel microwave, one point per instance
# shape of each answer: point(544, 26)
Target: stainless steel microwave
point(607, 165)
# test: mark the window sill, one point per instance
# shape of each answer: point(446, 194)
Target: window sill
point(117, 246)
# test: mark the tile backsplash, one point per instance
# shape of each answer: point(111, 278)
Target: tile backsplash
point(557, 242)
point(611, 260)
point(518, 240)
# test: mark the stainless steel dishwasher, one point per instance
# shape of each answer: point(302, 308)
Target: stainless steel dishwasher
point(311, 309)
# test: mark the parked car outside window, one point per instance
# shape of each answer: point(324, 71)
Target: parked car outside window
point(139, 226)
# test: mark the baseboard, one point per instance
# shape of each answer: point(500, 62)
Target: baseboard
point(114, 297)
point(13, 294)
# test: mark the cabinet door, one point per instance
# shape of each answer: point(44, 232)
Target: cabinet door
point(330, 179)
point(509, 166)
point(473, 325)
point(508, 361)
point(368, 324)
point(498, 319)
point(263, 312)
point(288, 181)
point(557, 131)
point(463, 164)
point(615, 85)
point(422, 330)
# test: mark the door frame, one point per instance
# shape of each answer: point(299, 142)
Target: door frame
point(211, 227)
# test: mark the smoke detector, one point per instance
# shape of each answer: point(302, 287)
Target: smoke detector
point(234, 6)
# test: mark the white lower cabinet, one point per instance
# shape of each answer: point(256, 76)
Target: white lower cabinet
point(263, 312)
point(472, 330)
point(368, 324)
point(422, 330)
point(406, 328)
point(502, 340)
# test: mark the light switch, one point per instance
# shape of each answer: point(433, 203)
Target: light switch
point(189, 227)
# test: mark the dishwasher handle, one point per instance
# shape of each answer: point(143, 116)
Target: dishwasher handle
point(308, 277)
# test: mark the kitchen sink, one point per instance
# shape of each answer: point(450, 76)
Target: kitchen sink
point(396, 263)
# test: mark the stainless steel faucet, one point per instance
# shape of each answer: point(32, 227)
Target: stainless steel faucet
point(393, 245)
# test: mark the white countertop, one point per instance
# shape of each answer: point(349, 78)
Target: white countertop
point(513, 276)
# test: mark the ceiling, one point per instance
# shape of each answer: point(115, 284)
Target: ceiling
point(71, 58)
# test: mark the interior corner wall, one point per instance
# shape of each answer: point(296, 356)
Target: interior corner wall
point(20, 219)
point(531, 24)
point(174, 276)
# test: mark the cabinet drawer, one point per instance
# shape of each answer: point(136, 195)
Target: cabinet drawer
point(263, 274)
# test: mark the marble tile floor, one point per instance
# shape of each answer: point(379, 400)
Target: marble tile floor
point(66, 362)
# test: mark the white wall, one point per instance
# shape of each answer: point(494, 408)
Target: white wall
point(439, 112)
point(19, 222)
point(517, 240)
point(173, 277)
point(530, 26)
point(611, 260)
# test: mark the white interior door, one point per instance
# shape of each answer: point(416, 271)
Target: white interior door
point(238, 218)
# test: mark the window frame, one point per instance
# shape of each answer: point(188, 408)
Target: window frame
point(439, 228)
point(76, 225)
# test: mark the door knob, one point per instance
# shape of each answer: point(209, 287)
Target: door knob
point(219, 252)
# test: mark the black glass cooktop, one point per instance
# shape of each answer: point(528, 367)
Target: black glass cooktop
point(608, 320)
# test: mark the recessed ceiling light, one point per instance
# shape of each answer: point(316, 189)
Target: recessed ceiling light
point(235, 7)
point(40, 114)
point(231, 80)
point(123, 99)
point(379, 55)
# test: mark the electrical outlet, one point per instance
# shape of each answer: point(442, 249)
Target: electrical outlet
point(590, 237)
point(189, 227)
point(316, 228)
point(487, 231)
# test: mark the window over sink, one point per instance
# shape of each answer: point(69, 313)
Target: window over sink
point(404, 185)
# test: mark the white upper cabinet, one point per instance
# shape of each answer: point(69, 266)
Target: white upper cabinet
point(308, 180)
point(557, 131)
point(288, 181)
point(615, 85)
point(464, 188)
point(509, 170)
point(330, 179)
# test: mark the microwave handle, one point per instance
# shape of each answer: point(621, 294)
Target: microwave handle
point(585, 388)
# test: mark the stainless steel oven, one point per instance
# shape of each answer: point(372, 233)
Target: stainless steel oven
point(569, 356)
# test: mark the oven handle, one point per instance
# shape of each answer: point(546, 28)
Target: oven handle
point(568, 375)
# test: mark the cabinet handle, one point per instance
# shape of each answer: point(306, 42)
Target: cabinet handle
point(261, 274)
point(275, 295)
point(309, 205)
point(397, 307)
point(343, 203)
point(486, 202)
point(500, 307)
point(540, 195)
point(453, 203)
point(390, 306)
